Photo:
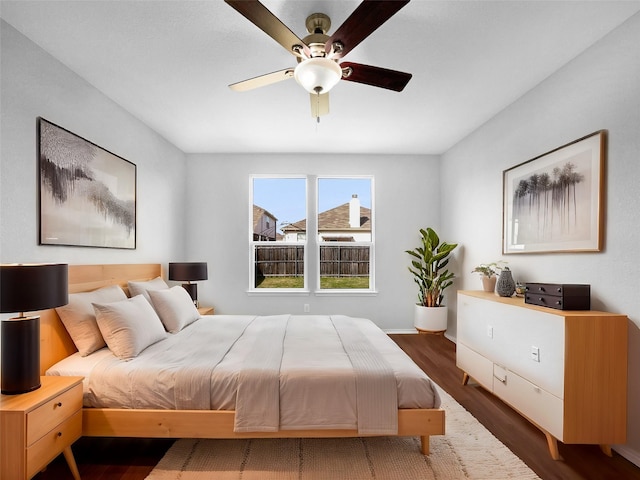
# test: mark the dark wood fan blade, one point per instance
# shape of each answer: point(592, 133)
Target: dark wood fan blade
point(364, 20)
point(266, 21)
point(262, 80)
point(376, 76)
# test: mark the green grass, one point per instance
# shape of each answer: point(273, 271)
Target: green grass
point(325, 282)
point(281, 282)
point(344, 282)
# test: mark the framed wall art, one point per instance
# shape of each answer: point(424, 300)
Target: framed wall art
point(554, 202)
point(87, 195)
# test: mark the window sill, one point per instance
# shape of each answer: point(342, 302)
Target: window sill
point(345, 293)
point(278, 292)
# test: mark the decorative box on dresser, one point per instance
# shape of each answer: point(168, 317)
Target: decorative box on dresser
point(565, 371)
point(37, 426)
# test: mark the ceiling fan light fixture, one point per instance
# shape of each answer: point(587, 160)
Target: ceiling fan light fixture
point(318, 74)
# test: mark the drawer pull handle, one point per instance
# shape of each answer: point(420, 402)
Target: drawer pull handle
point(59, 434)
point(59, 404)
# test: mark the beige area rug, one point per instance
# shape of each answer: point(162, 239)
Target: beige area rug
point(468, 450)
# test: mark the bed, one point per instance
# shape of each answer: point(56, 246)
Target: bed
point(224, 418)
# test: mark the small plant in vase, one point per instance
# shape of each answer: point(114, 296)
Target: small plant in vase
point(489, 272)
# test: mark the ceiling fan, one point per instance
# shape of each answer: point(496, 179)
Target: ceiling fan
point(318, 54)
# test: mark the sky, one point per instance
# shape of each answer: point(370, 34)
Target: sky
point(285, 197)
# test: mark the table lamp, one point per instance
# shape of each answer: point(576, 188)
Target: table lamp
point(189, 271)
point(27, 288)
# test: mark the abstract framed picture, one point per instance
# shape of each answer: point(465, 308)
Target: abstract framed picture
point(554, 202)
point(87, 195)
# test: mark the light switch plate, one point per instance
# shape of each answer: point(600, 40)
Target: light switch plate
point(535, 354)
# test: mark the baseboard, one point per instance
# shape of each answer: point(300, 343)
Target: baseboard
point(632, 455)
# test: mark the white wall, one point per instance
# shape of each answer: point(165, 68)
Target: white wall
point(406, 198)
point(35, 84)
point(600, 89)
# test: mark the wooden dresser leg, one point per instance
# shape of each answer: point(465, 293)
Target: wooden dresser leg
point(424, 445)
point(552, 442)
point(606, 449)
point(68, 455)
point(465, 378)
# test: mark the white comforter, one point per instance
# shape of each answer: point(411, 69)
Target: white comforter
point(278, 372)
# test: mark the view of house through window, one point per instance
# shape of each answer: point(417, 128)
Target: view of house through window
point(278, 258)
point(343, 234)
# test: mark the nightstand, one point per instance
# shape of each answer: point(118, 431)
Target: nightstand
point(35, 427)
point(206, 310)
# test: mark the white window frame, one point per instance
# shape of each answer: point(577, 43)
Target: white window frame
point(253, 290)
point(371, 244)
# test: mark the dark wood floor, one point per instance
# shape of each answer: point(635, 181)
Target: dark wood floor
point(133, 459)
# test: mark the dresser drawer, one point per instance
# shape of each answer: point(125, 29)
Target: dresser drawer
point(475, 365)
point(53, 412)
point(543, 300)
point(538, 405)
point(52, 443)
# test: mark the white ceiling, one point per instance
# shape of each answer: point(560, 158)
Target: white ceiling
point(169, 64)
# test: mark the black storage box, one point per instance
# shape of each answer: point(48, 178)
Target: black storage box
point(560, 296)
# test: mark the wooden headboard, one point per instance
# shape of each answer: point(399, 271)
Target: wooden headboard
point(55, 343)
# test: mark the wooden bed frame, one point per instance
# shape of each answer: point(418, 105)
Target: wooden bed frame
point(107, 422)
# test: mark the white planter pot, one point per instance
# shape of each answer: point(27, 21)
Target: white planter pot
point(430, 319)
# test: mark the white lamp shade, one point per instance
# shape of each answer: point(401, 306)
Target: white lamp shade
point(317, 75)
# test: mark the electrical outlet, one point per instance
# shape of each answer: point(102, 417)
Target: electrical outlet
point(306, 308)
point(535, 354)
point(489, 331)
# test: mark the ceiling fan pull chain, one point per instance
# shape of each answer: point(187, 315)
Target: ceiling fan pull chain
point(318, 90)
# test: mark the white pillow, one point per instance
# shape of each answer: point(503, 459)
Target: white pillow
point(79, 318)
point(129, 326)
point(141, 288)
point(175, 308)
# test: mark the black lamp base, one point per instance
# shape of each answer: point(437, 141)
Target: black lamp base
point(20, 361)
point(192, 289)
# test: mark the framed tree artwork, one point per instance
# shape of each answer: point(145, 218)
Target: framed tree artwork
point(87, 195)
point(554, 202)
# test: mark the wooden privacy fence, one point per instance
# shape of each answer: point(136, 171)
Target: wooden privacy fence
point(344, 261)
point(279, 261)
point(335, 261)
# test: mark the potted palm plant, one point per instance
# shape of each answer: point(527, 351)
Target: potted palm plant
point(428, 268)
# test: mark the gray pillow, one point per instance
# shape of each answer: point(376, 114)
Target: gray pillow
point(175, 308)
point(129, 326)
point(79, 317)
point(141, 288)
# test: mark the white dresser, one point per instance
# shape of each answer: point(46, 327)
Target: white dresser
point(565, 371)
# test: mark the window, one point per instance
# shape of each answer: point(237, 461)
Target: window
point(278, 216)
point(341, 237)
point(345, 233)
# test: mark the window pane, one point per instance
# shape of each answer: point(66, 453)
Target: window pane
point(343, 266)
point(278, 220)
point(345, 233)
point(279, 266)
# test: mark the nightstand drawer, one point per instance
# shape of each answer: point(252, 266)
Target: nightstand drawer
point(53, 443)
point(52, 413)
